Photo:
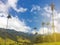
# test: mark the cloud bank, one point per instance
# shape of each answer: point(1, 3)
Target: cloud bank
point(14, 22)
point(47, 14)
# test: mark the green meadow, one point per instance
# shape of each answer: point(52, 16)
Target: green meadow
point(51, 43)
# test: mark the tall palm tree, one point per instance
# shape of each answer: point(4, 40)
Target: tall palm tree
point(35, 30)
point(8, 17)
point(48, 30)
point(34, 40)
point(53, 26)
point(43, 30)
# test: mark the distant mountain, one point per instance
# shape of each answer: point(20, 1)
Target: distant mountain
point(12, 34)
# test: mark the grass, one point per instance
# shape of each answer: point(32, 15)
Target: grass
point(51, 43)
point(11, 42)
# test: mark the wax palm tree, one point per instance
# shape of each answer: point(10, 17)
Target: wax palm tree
point(35, 29)
point(48, 30)
point(43, 30)
point(48, 26)
point(33, 39)
point(8, 17)
point(43, 26)
point(53, 26)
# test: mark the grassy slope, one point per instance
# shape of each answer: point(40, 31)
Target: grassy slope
point(9, 41)
point(14, 43)
point(52, 43)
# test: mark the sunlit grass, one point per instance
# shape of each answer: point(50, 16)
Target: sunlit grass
point(51, 43)
point(22, 41)
point(11, 42)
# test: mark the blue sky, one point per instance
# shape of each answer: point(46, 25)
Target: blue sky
point(30, 11)
point(28, 15)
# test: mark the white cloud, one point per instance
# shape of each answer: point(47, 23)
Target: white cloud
point(21, 9)
point(47, 11)
point(35, 8)
point(13, 4)
point(45, 30)
point(33, 32)
point(3, 9)
point(48, 15)
point(15, 22)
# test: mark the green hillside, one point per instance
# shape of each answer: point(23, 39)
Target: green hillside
point(11, 42)
point(12, 37)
